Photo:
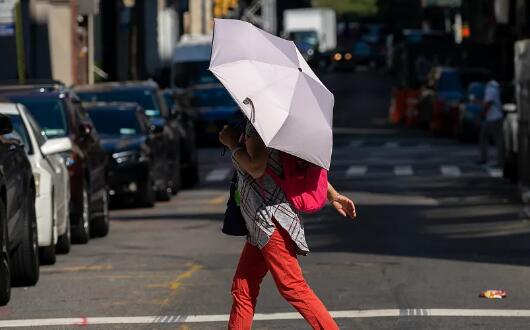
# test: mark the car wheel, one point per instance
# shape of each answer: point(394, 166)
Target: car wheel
point(101, 225)
point(5, 277)
point(81, 234)
point(25, 261)
point(190, 176)
point(47, 253)
point(64, 242)
point(146, 195)
point(164, 195)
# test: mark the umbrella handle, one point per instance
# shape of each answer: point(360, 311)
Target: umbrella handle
point(248, 101)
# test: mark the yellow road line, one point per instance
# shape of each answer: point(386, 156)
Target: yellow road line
point(219, 200)
point(78, 269)
point(177, 282)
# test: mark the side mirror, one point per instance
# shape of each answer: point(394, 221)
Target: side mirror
point(156, 125)
point(55, 146)
point(5, 125)
point(156, 129)
point(86, 129)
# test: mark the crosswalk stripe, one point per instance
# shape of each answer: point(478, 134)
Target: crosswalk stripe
point(264, 317)
point(356, 170)
point(450, 170)
point(403, 170)
point(495, 172)
point(219, 174)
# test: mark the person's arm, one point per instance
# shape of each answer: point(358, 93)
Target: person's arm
point(488, 101)
point(341, 203)
point(252, 156)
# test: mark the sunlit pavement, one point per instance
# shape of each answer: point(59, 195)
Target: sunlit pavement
point(434, 229)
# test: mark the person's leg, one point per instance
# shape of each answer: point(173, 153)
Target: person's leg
point(499, 142)
point(484, 142)
point(245, 287)
point(280, 256)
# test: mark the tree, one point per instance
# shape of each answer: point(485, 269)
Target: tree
point(356, 8)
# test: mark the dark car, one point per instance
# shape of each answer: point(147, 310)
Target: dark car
point(214, 108)
point(148, 96)
point(134, 149)
point(19, 264)
point(178, 103)
point(59, 112)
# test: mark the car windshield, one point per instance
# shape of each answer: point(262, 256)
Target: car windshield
point(20, 129)
point(449, 81)
point(49, 114)
point(305, 37)
point(193, 73)
point(116, 122)
point(214, 97)
point(145, 98)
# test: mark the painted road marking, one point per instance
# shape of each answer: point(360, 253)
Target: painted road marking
point(356, 170)
point(348, 314)
point(403, 170)
point(77, 269)
point(450, 170)
point(495, 172)
point(219, 174)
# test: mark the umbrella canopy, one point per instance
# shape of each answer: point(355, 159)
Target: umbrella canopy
point(267, 76)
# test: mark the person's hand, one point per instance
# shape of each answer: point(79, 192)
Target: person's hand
point(229, 137)
point(344, 206)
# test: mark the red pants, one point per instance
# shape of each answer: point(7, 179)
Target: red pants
point(278, 257)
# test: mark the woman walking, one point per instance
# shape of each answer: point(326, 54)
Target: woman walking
point(276, 234)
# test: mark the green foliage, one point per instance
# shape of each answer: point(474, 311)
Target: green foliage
point(349, 7)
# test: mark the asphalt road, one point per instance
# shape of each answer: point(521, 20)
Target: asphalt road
point(434, 230)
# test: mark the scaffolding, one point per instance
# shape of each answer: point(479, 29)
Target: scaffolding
point(263, 14)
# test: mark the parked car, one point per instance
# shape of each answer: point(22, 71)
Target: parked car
point(134, 148)
point(148, 96)
point(214, 108)
point(51, 182)
point(59, 113)
point(18, 221)
point(178, 103)
point(471, 109)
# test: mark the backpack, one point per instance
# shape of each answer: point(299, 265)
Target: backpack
point(304, 184)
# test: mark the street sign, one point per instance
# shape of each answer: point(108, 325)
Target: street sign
point(7, 17)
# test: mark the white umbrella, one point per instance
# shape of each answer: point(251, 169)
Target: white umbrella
point(269, 79)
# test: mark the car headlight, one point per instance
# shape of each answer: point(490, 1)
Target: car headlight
point(128, 157)
point(310, 52)
point(36, 177)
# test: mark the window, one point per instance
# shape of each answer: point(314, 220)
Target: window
point(21, 132)
point(116, 122)
point(49, 114)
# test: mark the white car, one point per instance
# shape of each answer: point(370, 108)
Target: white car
point(51, 182)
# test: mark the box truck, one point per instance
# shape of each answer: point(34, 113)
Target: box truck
point(312, 29)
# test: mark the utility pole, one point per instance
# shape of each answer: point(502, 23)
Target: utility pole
point(90, 28)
